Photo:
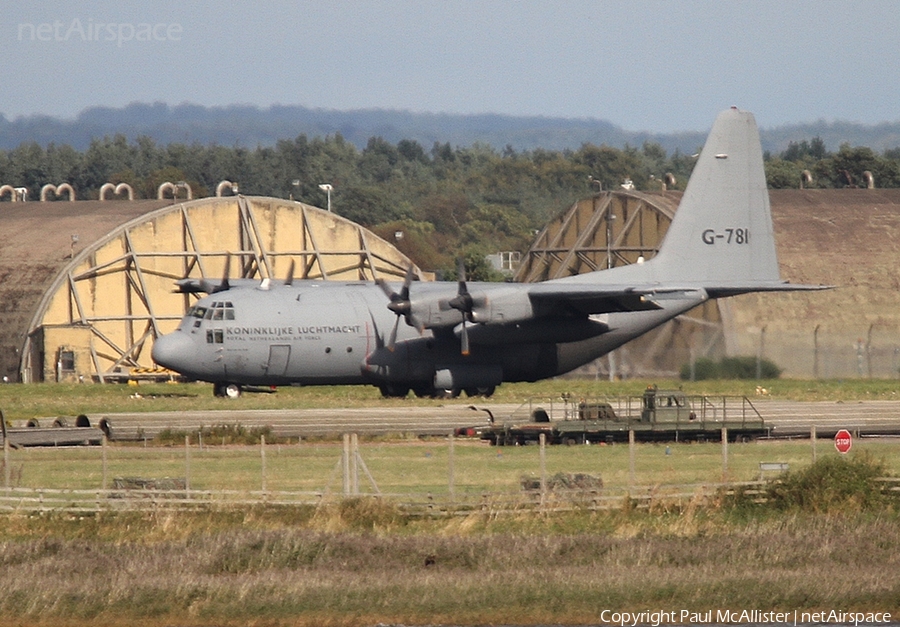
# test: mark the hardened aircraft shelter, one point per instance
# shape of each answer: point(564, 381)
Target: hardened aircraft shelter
point(86, 286)
point(842, 237)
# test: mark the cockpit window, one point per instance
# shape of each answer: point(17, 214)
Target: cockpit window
point(219, 310)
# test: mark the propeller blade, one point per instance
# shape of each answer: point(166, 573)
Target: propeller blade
point(191, 286)
point(465, 339)
point(289, 280)
point(393, 341)
point(385, 288)
point(225, 284)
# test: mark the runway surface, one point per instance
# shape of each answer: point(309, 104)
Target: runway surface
point(787, 418)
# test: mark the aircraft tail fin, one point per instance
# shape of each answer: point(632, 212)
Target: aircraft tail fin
point(722, 233)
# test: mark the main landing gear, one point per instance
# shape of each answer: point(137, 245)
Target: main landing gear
point(394, 390)
point(227, 390)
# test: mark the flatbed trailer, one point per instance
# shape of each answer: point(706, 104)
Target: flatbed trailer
point(656, 415)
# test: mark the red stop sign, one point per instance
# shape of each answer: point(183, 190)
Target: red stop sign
point(843, 441)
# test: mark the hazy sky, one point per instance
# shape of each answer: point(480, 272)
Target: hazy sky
point(642, 65)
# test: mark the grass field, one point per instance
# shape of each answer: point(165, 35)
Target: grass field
point(21, 402)
point(364, 561)
point(417, 467)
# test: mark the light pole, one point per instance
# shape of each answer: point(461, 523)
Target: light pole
point(325, 187)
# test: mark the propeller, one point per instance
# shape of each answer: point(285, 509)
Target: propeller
point(400, 305)
point(203, 285)
point(464, 303)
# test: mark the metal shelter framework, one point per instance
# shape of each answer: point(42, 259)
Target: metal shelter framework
point(616, 228)
point(100, 316)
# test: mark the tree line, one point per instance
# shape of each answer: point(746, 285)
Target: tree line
point(448, 201)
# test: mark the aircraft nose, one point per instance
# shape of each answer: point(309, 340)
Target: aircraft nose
point(173, 350)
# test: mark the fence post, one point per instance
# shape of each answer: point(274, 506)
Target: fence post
point(187, 464)
point(262, 453)
point(812, 439)
point(6, 475)
point(724, 453)
point(105, 482)
point(354, 464)
point(451, 466)
point(345, 465)
point(543, 441)
point(631, 473)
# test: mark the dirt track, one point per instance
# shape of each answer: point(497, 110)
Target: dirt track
point(785, 416)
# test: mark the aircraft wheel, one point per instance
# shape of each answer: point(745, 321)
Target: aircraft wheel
point(423, 392)
point(227, 390)
point(391, 390)
point(485, 391)
point(232, 390)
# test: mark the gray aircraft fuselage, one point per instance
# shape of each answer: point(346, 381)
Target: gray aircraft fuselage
point(333, 333)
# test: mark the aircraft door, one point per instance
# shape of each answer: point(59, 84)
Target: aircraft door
point(279, 356)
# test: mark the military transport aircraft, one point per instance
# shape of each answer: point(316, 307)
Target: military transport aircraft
point(474, 336)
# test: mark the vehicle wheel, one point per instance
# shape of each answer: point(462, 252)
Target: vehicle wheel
point(423, 392)
point(232, 390)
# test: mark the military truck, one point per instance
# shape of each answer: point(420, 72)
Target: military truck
point(656, 415)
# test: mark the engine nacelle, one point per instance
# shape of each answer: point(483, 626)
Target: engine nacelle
point(502, 305)
point(491, 304)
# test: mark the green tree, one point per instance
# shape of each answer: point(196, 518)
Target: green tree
point(782, 174)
